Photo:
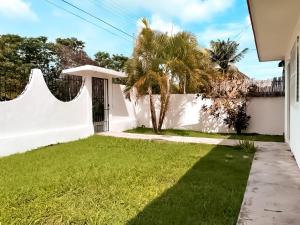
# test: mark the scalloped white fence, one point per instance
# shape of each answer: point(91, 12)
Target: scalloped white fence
point(36, 118)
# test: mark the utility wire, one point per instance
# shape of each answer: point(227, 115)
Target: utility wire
point(234, 37)
point(241, 32)
point(86, 20)
point(117, 5)
point(115, 11)
point(101, 20)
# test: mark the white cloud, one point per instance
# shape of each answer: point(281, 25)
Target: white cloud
point(248, 20)
point(17, 9)
point(240, 32)
point(183, 10)
point(159, 24)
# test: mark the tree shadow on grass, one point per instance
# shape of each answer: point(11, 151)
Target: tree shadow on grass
point(210, 193)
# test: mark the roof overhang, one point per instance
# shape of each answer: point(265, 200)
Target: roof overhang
point(273, 22)
point(93, 71)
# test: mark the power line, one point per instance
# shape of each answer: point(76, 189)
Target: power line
point(115, 11)
point(232, 39)
point(101, 20)
point(86, 20)
point(117, 5)
point(239, 34)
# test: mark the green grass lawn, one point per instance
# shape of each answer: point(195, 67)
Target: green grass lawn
point(191, 133)
point(105, 180)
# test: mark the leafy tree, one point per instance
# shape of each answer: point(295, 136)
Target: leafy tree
point(72, 43)
point(225, 53)
point(229, 97)
point(70, 53)
point(114, 62)
point(103, 59)
point(18, 55)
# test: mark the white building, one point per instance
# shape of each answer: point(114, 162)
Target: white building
point(276, 27)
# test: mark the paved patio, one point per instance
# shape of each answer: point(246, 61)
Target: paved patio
point(272, 195)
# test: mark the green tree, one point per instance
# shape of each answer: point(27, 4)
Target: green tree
point(114, 62)
point(103, 59)
point(71, 53)
point(18, 55)
point(225, 53)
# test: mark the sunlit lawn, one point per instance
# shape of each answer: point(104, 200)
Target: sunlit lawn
point(192, 133)
point(103, 180)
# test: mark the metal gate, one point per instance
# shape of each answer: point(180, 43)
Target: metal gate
point(100, 104)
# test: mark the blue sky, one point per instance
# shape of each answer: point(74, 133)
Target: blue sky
point(208, 19)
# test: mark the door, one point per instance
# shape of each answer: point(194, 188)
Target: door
point(100, 104)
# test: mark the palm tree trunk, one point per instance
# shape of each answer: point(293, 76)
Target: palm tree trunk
point(152, 110)
point(164, 105)
point(163, 111)
point(184, 87)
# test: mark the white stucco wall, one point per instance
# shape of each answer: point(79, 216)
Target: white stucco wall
point(267, 115)
point(36, 118)
point(294, 107)
point(123, 116)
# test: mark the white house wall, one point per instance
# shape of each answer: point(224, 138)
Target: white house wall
point(36, 118)
point(294, 139)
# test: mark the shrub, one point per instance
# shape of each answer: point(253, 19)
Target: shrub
point(247, 146)
point(237, 117)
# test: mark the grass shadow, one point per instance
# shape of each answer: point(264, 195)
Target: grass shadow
point(210, 193)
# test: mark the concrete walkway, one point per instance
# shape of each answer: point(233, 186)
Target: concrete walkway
point(272, 195)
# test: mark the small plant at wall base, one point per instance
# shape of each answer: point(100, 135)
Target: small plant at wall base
point(247, 146)
point(237, 117)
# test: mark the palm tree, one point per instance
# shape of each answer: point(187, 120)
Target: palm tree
point(158, 59)
point(189, 63)
point(225, 53)
point(143, 69)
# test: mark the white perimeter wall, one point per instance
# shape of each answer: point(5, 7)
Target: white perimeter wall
point(123, 116)
point(267, 114)
point(36, 118)
point(293, 107)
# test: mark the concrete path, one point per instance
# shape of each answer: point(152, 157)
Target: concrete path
point(272, 195)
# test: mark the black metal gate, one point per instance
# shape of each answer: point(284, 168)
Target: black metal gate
point(100, 104)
